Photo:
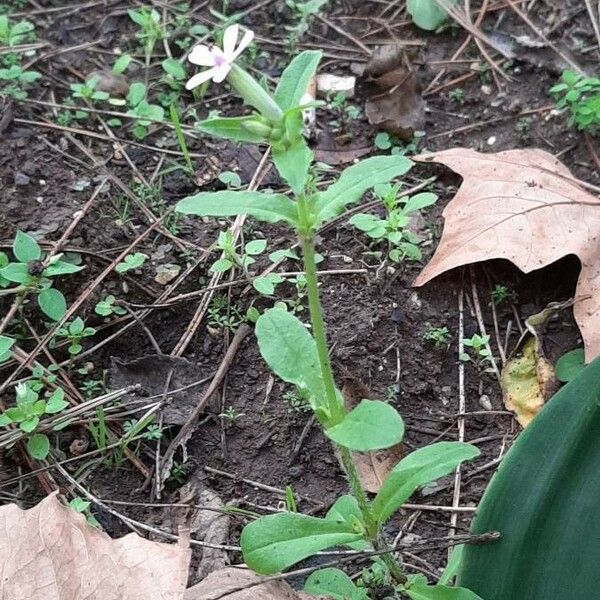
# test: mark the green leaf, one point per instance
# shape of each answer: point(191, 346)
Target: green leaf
point(232, 128)
point(255, 247)
point(221, 265)
point(15, 414)
point(5, 420)
point(121, 64)
point(453, 565)
point(372, 425)
point(293, 164)
point(6, 344)
point(38, 446)
point(415, 470)
point(420, 591)
point(290, 351)
point(130, 262)
point(356, 180)
point(52, 303)
point(137, 93)
point(419, 201)
point(335, 584)
point(25, 248)
point(266, 285)
point(230, 178)
point(60, 267)
point(295, 78)
point(427, 14)
point(56, 402)
point(275, 542)
point(28, 425)
point(264, 207)
point(79, 504)
point(544, 501)
point(346, 509)
point(568, 366)
point(174, 68)
point(16, 272)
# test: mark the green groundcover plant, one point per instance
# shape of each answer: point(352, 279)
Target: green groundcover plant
point(275, 542)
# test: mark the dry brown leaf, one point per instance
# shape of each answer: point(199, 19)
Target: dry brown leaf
point(219, 583)
point(523, 206)
point(50, 551)
point(373, 467)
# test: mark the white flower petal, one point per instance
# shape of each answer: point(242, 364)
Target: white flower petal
point(200, 78)
point(229, 41)
point(201, 55)
point(246, 41)
point(220, 72)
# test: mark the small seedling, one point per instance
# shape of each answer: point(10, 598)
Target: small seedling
point(91, 387)
point(231, 414)
point(230, 179)
point(395, 228)
point(149, 432)
point(385, 141)
point(145, 112)
point(150, 30)
point(457, 95)
point(297, 401)
point(221, 315)
point(502, 293)
point(479, 352)
point(16, 80)
point(83, 506)
point(302, 13)
point(580, 95)
point(131, 262)
point(108, 306)
point(87, 91)
point(523, 128)
point(75, 332)
point(231, 258)
point(439, 336)
point(14, 34)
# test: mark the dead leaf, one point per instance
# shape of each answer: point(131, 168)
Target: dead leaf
point(219, 583)
point(523, 206)
point(50, 551)
point(527, 382)
point(152, 373)
point(166, 273)
point(373, 467)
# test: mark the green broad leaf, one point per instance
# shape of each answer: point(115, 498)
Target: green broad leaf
point(415, 470)
point(281, 254)
point(421, 591)
point(16, 272)
point(61, 267)
point(79, 504)
point(372, 425)
point(28, 425)
point(174, 68)
point(56, 402)
point(266, 285)
point(25, 248)
point(221, 265)
point(52, 303)
point(233, 128)
point(38, 446)
point(230, 179)
point(369, 224)
point(131, 262)
point(453, 565)
point(38, 408)
point(427, 14)
point(137, 93)
point(419, 201)
point(275, 542)
point(264, 207)
point(5, 420)
point(346, 509)
point(121, 64)
point(544, 501)
point(255, 247)
point(355, 181)
point(291, 352)
point(568, 366)
point(335, 584)
point(295, 78)
point(15, 414)
point(293, 164)
point(6, 344)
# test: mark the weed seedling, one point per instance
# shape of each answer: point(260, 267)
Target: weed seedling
point(87, 91)
point(222, 315)
point(108, 306)
point(439, 336)
point(14, 34)
point(457, 95)
point(231, 258)
point(16, 80)
point(131, 262)
point(273, 543)
point(83, 506)
point(75, 331)
point(231, 414)
point(145, 112)
point(402, 242)
point(149, 28)
point(480, 355)
point(302, 14)
point(579, 95)
point(502, 293)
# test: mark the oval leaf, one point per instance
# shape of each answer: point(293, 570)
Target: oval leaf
point(25, 248)
point(420, 591)
point(38, 446)
point(52, 303)
point(569, 365)
point(275, 542)
point(335, 584)
point(372, 425)
point(295, 78)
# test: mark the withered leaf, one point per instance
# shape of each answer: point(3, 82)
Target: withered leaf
point(50, 551)
point(526, 207)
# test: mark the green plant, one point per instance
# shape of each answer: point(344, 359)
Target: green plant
point(231, 414)
point(344, 112)
point(231, 258)
point(478, 344)
point(386, 141)
point(145, 112)
point(75, 331)
point(581, 96)
point(543, 502)
point(523, 128)
point(131, 262)
point(503, 293)
point(150, 30)
point(16, 80)
point(91, 387)
point(275, 542)
point(457, 95)
point(570, 365)
point(222, 315)
point(29, 409)
point(87, 91)
point(176, 122)
point(428, 14)
point(109, 306)
point(402, 242)
point(13, 34)
point(439, 336)
point(83, 506)
point(297, 400)
point(302, 14)
point(34, 273)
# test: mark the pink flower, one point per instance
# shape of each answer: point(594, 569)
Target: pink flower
point(218, 60)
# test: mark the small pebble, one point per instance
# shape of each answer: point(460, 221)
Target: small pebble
point(486, 89)
point(485, 402)
point(491, 140)
point(21, 178)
